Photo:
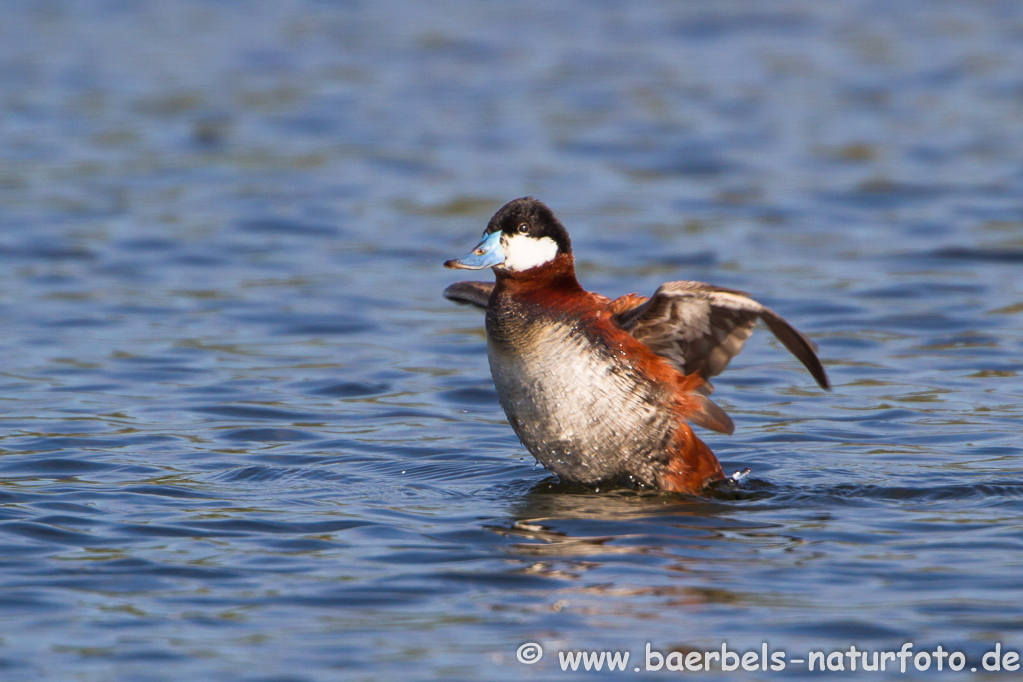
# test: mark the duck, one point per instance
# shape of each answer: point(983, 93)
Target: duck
point(603, 392)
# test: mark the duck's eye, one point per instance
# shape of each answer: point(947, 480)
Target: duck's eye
point(523, 228)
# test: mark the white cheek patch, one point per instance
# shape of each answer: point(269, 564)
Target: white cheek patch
point(523, 252)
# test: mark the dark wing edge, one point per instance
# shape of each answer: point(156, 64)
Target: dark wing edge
point(798, 345)
point(473, 293)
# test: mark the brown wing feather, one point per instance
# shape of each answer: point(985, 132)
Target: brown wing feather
point(706, 413)
point(797, 344)
point(474, 293)
point(626, 303)
point(700, 328)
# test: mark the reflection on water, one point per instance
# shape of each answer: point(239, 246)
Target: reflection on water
point(244, 437)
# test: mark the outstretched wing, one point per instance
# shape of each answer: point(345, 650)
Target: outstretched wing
point(474, 293)
point(700, 328)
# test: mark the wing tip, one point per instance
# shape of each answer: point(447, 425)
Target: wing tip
point(470, 292)
point(704, 412)
point(797, 344)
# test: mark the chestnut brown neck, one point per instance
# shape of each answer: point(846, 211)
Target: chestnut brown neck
point(556, 276)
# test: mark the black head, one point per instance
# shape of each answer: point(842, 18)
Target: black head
point(522, 236)
point(530, 218)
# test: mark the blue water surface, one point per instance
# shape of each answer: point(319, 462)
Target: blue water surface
point(243, 437)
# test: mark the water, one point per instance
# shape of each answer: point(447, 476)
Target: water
point(244, 438)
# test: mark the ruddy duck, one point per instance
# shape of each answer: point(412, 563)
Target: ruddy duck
point(602, 391)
